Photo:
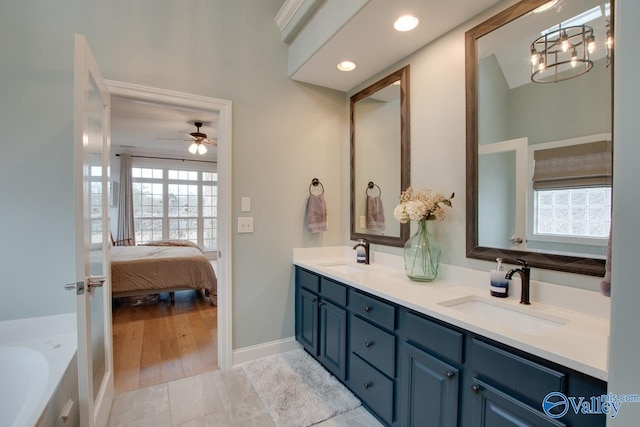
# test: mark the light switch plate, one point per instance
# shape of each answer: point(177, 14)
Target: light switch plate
point(245, 204)
point(245, 224)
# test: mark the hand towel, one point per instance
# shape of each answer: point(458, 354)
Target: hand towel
point(375, 213)
point(605, 284)
point(316, 213)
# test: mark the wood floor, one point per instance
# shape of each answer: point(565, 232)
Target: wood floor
point(162, 342)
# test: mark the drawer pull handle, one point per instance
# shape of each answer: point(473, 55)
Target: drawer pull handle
point(450, 374)
point(367, 385)
point(475, 389)
point(367, 308)
point(368, 344)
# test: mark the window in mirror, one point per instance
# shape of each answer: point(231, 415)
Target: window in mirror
point(572, 212)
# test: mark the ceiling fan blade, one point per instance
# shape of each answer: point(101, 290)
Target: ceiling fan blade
point(175, 139)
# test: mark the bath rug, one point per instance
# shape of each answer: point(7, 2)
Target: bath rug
point(297, 391)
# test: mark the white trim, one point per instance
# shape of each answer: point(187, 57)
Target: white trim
point(286, 12)
point(224, 108)
point(254, 352)
point(518, 145)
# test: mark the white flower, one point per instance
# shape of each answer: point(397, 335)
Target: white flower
point(416, 210)
point(422, 205)
point(400, 214)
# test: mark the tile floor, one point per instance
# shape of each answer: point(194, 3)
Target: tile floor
point(221, 399)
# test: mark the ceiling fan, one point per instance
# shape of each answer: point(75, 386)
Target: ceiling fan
point(198, 140)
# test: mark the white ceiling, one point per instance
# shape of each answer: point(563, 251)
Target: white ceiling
point(138, 126)
point(370, 40)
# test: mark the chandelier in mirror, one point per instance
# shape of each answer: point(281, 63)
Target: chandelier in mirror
point(562, 54)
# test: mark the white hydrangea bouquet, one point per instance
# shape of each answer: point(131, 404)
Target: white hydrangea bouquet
point(422, 205)
point(421, 251)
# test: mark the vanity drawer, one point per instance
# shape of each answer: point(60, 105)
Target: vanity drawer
point(308, 280)
point(373, 310)
point(375, 390)
point(438, 339)
point(523, 376)
point(333, 291)
point(374, 345)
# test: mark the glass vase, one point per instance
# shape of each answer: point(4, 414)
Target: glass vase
point(422, 255)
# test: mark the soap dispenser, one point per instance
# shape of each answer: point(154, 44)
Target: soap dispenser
point(499, 284)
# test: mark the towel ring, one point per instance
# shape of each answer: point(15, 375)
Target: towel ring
point(315, 182)
point(371, 186)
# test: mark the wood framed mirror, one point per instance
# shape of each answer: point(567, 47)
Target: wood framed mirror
point(507, 130)
point(380, 159)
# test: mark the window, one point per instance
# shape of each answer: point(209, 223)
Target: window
point(572, 193)
point(175, 203)
point(578, 212)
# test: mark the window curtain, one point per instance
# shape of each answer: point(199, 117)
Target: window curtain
point(584, 165)
point(126, 227)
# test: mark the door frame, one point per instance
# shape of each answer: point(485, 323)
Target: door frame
point(224, 274)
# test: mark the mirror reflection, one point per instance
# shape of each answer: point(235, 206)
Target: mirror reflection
point(543, 129)
point(379, 159)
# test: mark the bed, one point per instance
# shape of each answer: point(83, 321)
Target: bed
point(163, 266)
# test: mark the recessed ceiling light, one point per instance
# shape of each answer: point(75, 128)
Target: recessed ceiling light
point(545, 6)
point(347, 66)
point(406, 23)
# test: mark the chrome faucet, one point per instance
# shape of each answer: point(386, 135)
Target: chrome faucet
point(365, 244)
point(525, 273)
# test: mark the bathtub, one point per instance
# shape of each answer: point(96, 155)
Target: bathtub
point(37, 356)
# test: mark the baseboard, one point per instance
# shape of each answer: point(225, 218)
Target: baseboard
point(254, 352)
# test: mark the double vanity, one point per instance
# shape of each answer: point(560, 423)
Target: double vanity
point(446, 353)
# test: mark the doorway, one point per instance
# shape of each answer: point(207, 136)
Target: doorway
point(192, 304)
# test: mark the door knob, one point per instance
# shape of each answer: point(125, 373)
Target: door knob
point(450, 374)
point(515, 240)
point(475, 389)
point(78, 287)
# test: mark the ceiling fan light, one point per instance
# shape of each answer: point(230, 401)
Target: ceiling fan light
point(202, 149)
point(193, 148)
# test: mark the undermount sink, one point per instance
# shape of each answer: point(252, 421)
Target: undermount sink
point(345, 268)
point(521, 319)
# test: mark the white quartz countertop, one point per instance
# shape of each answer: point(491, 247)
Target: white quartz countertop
point(580, 341)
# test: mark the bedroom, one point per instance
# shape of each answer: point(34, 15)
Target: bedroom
point(161, 331)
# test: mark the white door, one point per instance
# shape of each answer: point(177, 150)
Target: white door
point(91, 169)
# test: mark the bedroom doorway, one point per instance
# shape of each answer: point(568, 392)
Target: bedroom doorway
point(173, 340)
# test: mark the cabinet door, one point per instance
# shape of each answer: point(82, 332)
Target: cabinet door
point(429, 390)
point(333, 338)
point(493, 408)
point(307, 321)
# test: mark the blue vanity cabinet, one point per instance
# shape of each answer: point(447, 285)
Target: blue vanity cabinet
point(321, 322)
point(306, 314)
point(508, 386)
point(373, 360)
point(431, 363)
point(333, 327)
point(410, 369)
